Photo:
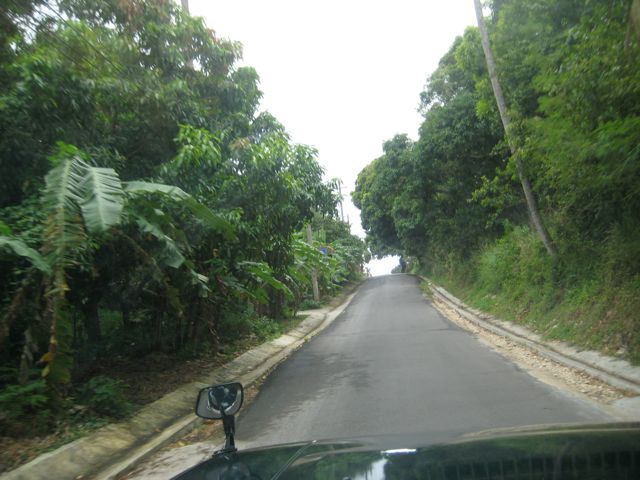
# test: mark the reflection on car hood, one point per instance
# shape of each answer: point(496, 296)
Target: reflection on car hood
point(572, 452)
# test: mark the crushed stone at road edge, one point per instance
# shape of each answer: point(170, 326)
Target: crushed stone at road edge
point(546, 370)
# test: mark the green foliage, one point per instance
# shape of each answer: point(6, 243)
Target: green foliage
point(397, 269)
point(20, 248)
point(417, 199)
point(263, 278)
point(145, 205)
point(102, 202)
point(310, 304)
point(517, 268)
point(104, 396)
point(64, 233)
point(4, 229)
point(247, 323)
point(514, 279)
point(116, 77)
point(25, 408)
point(376, 187)
point(18, 400)
point(265, 328)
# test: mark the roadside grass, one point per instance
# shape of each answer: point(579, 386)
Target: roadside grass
point(513, 279)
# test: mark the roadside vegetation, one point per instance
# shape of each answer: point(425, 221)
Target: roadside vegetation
point(453, 200)
point(150, 214)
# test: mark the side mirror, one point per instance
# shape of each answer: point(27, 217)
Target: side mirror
point(222, 402)
point(219, 401)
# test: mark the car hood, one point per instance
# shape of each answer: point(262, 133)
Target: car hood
point(567, 451)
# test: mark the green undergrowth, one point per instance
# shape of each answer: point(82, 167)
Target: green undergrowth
point(29, 427)
point(254, 333)
point(589, 301)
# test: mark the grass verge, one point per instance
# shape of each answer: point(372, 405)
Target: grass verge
point(591, 308)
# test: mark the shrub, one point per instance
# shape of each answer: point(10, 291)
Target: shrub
point(235, 324)
point(517, 267)
point(25, 408)
point(104, 396)
point(265, 328)
point(309, 304)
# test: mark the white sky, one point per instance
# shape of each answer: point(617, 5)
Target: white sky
point(343, 76)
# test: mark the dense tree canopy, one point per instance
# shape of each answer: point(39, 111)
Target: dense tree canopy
point(416, 198)
point(145, 203)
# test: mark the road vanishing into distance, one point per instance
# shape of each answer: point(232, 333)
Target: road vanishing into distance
point(391, 364)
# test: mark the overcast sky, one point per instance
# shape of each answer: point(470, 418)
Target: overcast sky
point(343, 76)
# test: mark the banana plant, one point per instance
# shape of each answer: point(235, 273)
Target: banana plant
point(83, 202)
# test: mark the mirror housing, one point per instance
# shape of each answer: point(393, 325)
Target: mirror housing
point(219, 401)
point(222, 402)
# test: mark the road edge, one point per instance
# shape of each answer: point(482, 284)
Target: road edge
point(614, 372)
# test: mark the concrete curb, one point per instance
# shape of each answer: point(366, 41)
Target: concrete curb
point(615, 372)
point(117, 448)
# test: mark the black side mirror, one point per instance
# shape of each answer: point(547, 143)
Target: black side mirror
point(214, 403)
point(222, 402)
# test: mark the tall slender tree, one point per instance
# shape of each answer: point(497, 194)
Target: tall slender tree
point(634, 23)
point(532, 204)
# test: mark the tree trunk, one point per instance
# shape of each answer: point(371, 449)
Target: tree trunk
point(532, 205)
point(185, 6)
point(633, 24)
point(634, 16)
point(126, 314)
point(276, 304)
point(314, 273)
point(91, 316)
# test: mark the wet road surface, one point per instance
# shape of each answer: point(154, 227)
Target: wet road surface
point(391, 364)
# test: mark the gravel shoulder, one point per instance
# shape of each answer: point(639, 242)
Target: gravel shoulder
point(572, 380)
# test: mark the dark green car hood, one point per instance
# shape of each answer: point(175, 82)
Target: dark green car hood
point(584, 452)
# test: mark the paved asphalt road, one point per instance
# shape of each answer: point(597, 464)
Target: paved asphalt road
point(391, 364)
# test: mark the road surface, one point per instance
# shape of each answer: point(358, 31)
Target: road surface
point(391, 364)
